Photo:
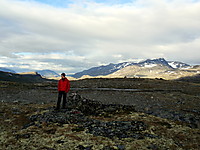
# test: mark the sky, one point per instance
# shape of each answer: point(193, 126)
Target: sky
point(73, 35)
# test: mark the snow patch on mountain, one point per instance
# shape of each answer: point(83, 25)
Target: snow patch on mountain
point(149, 65)
point(177, 65)
point(173, 64)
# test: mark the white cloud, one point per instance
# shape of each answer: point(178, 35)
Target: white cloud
point(96, 33)
point(37, 61)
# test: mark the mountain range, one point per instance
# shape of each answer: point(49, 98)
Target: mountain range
point(150, 68)
point(131, 67)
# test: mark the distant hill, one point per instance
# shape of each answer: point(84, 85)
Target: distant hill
point(48, 73)
point(29, 73)
point(146, 65)
point(58, 78)
point(6, 70)
point(29, 77)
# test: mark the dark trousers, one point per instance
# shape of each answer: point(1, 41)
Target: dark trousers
point(60, 95)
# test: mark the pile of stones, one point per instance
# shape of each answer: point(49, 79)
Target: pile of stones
point(78, 112)
point(90, 107)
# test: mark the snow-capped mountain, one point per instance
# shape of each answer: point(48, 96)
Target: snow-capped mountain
point(111, 68)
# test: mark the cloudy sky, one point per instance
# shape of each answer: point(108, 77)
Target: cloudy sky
point(73, 35)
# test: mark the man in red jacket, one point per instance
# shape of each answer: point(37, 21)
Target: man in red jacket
point(63, 89)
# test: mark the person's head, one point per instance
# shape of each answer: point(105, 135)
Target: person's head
point(63, 75)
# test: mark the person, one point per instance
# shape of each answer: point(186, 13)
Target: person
point(63, 89)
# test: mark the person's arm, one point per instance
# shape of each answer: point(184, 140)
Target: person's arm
point(59, 85)
point(68, 86)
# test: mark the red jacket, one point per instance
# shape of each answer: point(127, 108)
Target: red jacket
point(64, 85)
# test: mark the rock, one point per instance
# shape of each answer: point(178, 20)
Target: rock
point(48, 148)
point(78, 129)
point(153, 147)
point(60, 142)
point(121, 147)
point(89, 107)
point(50, 131)
point(108, 148)
point(28, 125)
point(81, 147)
point(23, 136)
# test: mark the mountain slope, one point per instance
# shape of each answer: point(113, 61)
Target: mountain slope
point(102, 70)
point(25, 77)
point(6, 70)
point(155, 71)
point(194, 78)
point(47, 73)
point(149, 71)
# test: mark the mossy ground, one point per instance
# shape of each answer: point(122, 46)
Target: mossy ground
point(168, 134)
